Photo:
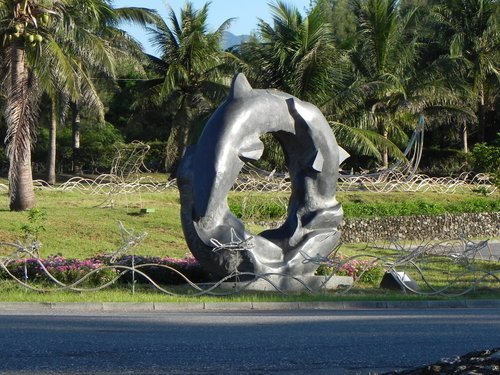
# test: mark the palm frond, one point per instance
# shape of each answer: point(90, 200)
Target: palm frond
point(364, 141)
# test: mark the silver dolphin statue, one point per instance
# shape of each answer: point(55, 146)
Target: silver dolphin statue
point(209, 169)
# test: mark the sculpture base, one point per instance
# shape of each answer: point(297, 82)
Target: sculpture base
point(278, 283)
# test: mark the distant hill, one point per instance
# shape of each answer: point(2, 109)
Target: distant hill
point(229, 39)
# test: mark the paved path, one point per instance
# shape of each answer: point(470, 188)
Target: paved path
point(43, 341)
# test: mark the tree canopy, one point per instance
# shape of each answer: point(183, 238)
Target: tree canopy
point(372, 66)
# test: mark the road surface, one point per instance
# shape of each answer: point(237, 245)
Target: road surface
point(240, 342)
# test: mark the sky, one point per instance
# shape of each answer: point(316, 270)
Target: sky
point(246, 12)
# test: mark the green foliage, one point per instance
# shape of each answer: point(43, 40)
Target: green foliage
point(155, 158)
point(444, 162)
point(98, 147)
point(486, 158)
point(258, 207)
point(192, 75)
point(420, 206)
point(372, 276)
point(273, 157)
point(36, 224)
point(364, 271)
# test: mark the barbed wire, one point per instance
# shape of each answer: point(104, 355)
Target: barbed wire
point(248, 182)
point(465, 264)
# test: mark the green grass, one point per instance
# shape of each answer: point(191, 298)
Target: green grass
point(77, 226)
point(256, 206)
point(407, 204)
point(432, 272)
point(12, 292)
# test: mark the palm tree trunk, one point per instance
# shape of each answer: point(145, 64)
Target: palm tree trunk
point(178, 139)
point(176, 145)
point(481, 115)
point(23, 198)
point(21, 191)
point(75, 125)
point(51, 160)
point(465, 136)
point(385, 151)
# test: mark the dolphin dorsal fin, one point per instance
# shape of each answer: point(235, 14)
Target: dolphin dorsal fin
point(343, 154)
point(240, 86)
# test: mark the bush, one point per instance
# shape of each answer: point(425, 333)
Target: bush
point(444, 162)
point(98, 147)
point(420, 207)
point(486, 158)
point(155, 158)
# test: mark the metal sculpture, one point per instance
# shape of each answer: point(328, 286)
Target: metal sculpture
point(210, 168)
point(449, 268)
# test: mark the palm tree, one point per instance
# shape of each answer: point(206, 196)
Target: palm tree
point(384, 62)
point(472, 30)
point(51, 46)
point(105, 38)
point(295, 54)
point(299, 55)
point(93, 43)
point(20, 23)
point(191, 75)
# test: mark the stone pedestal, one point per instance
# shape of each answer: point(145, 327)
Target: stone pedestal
point(276, 283)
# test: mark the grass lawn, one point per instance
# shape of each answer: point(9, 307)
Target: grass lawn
point(78, 226)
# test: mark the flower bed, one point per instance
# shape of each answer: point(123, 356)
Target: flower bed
point(187, 266)
point(64, 270)
point(365, 271)
point(102, 270)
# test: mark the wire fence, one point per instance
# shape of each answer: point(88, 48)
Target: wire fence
point(448, 268)
point(252, 181)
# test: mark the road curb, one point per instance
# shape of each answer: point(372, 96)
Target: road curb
point(26, 307)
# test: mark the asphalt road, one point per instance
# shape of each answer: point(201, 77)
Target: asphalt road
point(229, 342)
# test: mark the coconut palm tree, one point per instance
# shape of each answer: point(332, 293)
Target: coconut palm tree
point(472, 31)
point(295, 53)
point(191, 75)
point(20, 25)
point(384, 62)
point(49, 46)
point(93, 43)
point(298, 54)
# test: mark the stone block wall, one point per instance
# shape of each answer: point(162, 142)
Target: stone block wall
point(422, 227)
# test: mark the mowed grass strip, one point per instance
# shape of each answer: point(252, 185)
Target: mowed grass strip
point(78, 225)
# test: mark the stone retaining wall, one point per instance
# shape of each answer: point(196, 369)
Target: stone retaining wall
point(422, 227)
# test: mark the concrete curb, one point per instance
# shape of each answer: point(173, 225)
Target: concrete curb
point(242, 306)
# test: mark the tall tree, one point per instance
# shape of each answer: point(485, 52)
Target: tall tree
point(192, 78)
point(384, 61)
point(295, 53)
point(340, 14)
point(93, 42)
point(473, 33)
point(20, 23)
point(298, 54)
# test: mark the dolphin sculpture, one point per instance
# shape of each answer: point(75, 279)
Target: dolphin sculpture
point(210, 168)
